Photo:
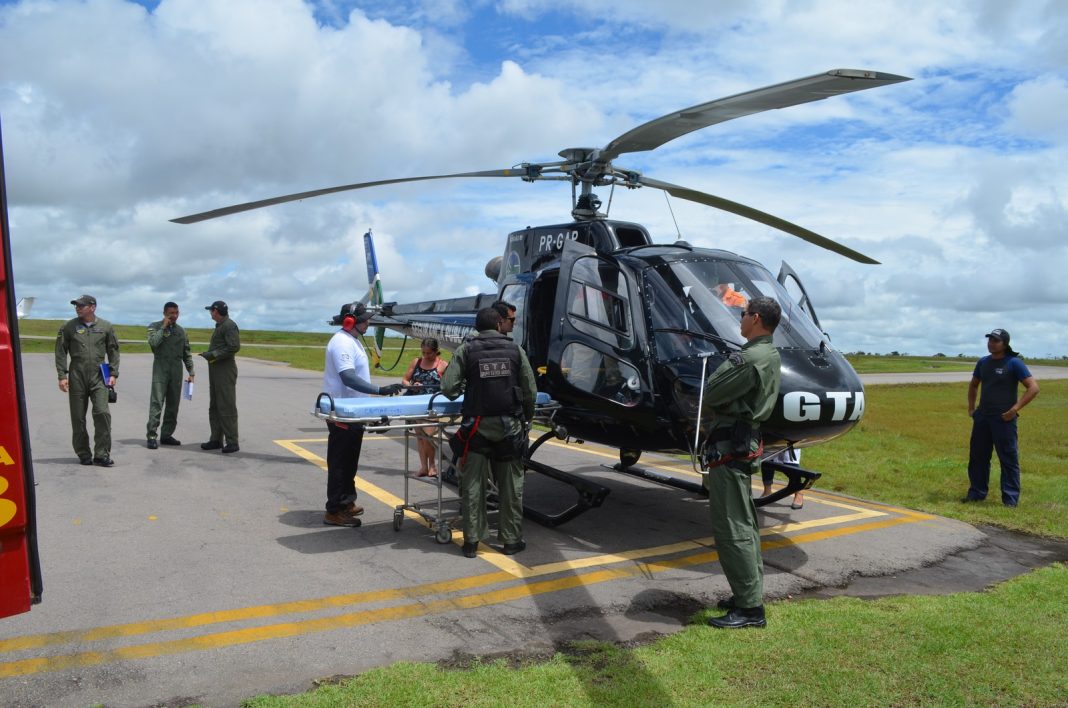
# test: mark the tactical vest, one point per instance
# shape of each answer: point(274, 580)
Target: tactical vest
point(492, 374)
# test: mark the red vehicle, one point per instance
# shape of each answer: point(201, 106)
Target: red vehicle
point(20, 567)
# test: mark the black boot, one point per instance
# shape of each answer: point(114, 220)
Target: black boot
point(739, 618)
point(727, 604)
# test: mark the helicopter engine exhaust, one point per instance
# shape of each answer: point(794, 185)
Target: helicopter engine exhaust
point(493, 268)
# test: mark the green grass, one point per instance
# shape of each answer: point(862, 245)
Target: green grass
point(1006, 646)
point(295, 354)
point(911, 449)
point(303, 350)
point(873, 364)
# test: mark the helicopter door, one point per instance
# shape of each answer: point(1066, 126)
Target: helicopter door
point(592, 338)
point(789, 279)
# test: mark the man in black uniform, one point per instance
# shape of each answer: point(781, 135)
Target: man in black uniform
point(499, 391)
point(222, 379)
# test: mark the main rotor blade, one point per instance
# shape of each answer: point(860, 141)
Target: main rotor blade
point(759, 216)
point(791, 93)
point(249, 206)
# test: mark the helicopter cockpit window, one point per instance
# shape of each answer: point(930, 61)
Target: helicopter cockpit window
point(597, 301)
point(796, 328)
point(706, 298)
point(600, 374)
point(516, 294)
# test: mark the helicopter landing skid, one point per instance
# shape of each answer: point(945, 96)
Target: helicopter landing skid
point(590, 494)
point(660, 478)
point(798, 480)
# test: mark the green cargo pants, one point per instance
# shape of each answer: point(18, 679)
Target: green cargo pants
point(474, 485)
point(736, 529)
point(222, 400)
point(85, 386)
point(164, 397)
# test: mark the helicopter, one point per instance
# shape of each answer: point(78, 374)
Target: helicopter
point(622, 331)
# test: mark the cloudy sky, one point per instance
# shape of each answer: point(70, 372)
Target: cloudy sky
point(118, 116)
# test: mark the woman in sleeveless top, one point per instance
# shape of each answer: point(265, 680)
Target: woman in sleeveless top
point(424, 376)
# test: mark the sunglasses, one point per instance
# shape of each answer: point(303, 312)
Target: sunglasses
point(747, 313)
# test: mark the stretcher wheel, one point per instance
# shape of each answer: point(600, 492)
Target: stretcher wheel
point(444, 534)
point(398, 519)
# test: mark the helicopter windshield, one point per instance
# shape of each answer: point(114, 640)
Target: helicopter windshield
point(695, 307)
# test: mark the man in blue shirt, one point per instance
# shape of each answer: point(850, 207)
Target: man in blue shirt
point(994, 421)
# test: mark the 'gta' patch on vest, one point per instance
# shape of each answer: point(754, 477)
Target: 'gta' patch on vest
point(494, 368)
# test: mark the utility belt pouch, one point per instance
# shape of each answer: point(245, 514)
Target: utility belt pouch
point(709, 456)
point(517, 440)
point(511, 447)
point(741, 438)
point(460, 441)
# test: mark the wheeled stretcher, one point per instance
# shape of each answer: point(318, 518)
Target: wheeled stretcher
point(411, 414)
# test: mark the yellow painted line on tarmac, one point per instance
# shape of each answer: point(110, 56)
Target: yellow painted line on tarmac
point(628, 564)
point(387, 498)
point(505, 563)
point(510, 565)
point(255, 612)
point(682, 546)
point(793, 526)
point(408, 611)
point(509, 569)
point(833, 533)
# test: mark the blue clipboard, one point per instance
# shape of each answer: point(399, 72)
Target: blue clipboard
point(105, 371)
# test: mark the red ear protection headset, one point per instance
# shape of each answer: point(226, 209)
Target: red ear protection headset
point(348, 322)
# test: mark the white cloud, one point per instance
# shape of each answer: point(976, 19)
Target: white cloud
point(1036, 109)
point(116, 119)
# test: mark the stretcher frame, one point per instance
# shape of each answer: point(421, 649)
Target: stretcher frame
point(435, 512)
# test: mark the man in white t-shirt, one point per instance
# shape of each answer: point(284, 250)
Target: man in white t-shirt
point(347, 374)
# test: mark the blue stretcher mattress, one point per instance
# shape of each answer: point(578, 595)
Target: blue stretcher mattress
point(399, 406)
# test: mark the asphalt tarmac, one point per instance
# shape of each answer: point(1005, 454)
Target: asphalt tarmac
point(182, 576)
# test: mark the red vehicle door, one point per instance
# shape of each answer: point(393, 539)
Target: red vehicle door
point(20, 568)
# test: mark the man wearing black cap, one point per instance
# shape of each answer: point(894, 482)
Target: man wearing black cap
point(222, 379)
point(88, 340)
point(347, 374)
point(994, 421)
point(494, 375)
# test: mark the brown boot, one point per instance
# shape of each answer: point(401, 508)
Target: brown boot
point(341, 518)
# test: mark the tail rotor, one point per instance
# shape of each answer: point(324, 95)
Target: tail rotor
point(374, 296)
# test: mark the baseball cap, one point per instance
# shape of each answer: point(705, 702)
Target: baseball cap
point(356, 309)
point(1001, 335)
point(217, 305)
point(84, 300)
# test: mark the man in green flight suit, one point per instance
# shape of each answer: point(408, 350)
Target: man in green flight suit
point(88, 340)
point(170, 350)
point(499, 391)
point(222, 379)
point(741, 393)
